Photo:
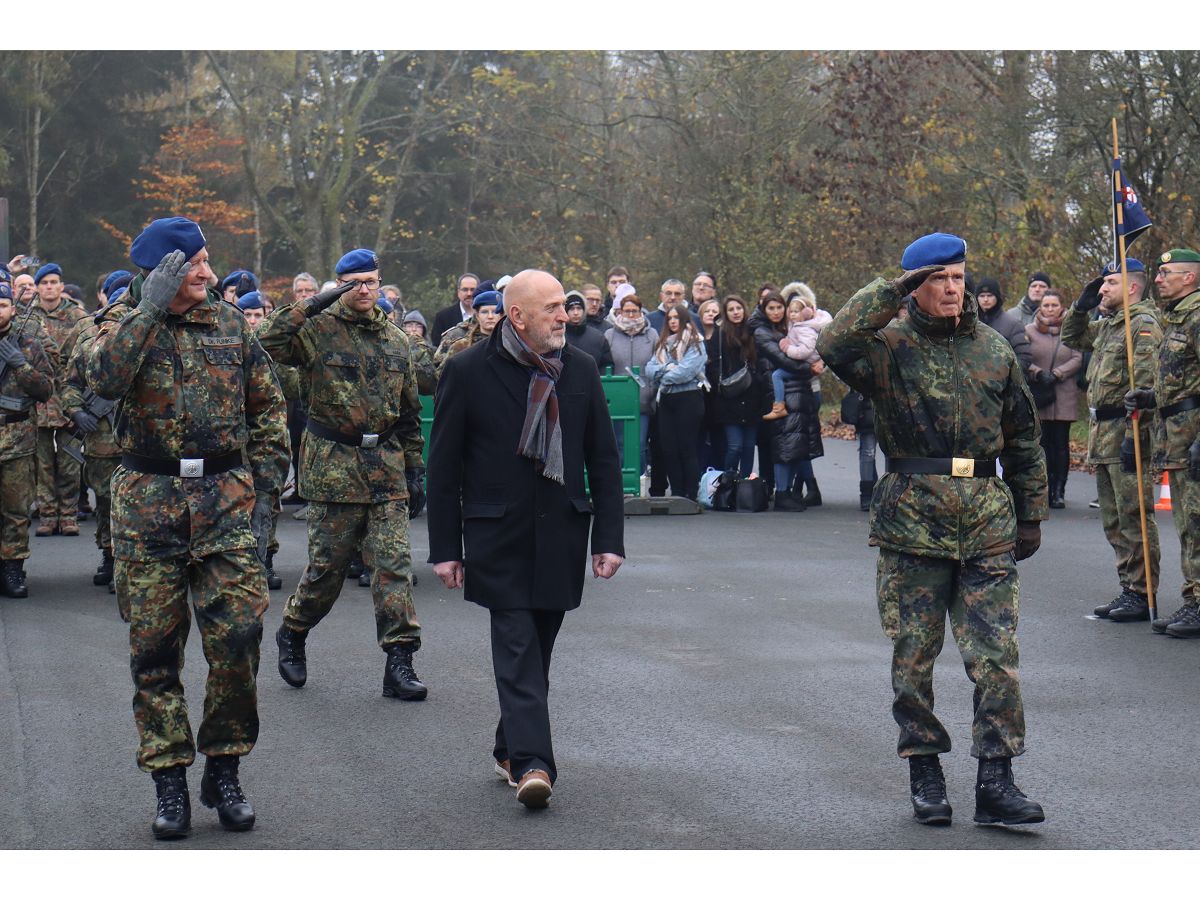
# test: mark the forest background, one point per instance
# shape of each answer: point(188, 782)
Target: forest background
point(755, 165)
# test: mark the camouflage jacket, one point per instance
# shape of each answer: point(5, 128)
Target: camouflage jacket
point(455, 340)
point(289, 376)
point(191, 385)
point(361, 381)
point(941, 390)
point(33, 381)
point(101, 443)
point(1177, 378)
point(427, 372)
point(1108, 372)
point(60, 326)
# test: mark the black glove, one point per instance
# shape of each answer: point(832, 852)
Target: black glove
point(85, 421)
point(906, 284)
point(1029, 538)
point(1141, 398)
point(416, 490)
point(1128, 461)
point(260, 525)
point(11, 353)
point(1194, 461)
point(1044, 377)
point(1090, 298)
point(325, 299)
point(161, 285)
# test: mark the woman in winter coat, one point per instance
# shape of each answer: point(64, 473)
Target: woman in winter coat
point(677, 371)
point(631, 342)
point(711, 446)
point(797, 437)
point(1054, 364)
point(737, 410)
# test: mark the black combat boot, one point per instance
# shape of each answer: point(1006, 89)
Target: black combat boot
point(930, 806)
point(1161, 624)
point(1186, 624)
point(293, 664)
point(1133, 607)
point(1055, 492)
point(364, 580)
point(12, 579)
point(399, 678)
point(812, 495)
point(998, 801)
point(356, 566)
point(220, 790)
point(173, 819)
point(104, 571)
point(866, 489)
point(1105, 608)
point(787, 501)
point(274, 582)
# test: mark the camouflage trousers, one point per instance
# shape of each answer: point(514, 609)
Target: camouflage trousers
point(335, 532)
point(980, 595)
point(1185, 509)
point(229, 593)
point(275, 512)
point(16, 493)
point(98, 472)
point(57, 477)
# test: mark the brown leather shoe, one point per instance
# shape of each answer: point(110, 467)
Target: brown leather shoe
point(534, 790)
point(69, 527)
point(504, 770)
point(46, 527)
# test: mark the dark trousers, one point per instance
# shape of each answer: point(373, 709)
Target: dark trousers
point(679, 418)
point(1058, 453)
point(658, 462)
point(522, 642)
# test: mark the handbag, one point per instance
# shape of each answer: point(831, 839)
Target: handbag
point(1044, 394)
point(708, 487)
point(751, 495)
point(736, 383)
point(725, 491)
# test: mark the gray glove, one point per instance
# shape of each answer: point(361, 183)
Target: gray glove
point(1140, 398)
point(11, 353)
point(161, 285)
point(85, 421)
point(906, 284)
point(325, 299)
point(260, 525)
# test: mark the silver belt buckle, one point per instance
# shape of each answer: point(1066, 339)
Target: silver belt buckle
point(370, 440)
point(191, 468)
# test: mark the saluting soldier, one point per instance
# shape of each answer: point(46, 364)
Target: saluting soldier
point(27, 376)
point(950, 400)
point(203, 436)
point(1176, 396)
point(361, 457)
point(1110, 437)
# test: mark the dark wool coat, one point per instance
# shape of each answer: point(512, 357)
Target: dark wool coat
point(522, 538)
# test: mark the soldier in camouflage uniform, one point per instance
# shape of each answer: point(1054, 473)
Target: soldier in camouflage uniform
point(28, 376)
point(362, 447)
point(57, 471)
point(204, 454)
point(1110, 435)
point(1176, 396)
point(950, 399)
point(93, 432)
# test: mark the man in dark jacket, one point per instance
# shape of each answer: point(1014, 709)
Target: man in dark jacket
point(517, 420)
point(1039, 283)
point(582, 336)
point(458, 311)
point(993, 314)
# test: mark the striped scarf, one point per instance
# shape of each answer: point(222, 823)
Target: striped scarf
point(541, 435)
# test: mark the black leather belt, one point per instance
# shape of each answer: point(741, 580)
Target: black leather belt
point(14, 418)
point(1182, 406)
point(957, 466)
point(350, 440)
point(1108, 413)
point(182, 468)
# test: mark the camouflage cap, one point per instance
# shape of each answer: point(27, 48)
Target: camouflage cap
point(1180, 254)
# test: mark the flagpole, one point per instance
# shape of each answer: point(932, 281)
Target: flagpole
point(1118, 191)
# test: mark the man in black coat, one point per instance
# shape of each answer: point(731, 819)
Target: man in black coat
point(458, 311)
point(517, 418)
point(582, 336)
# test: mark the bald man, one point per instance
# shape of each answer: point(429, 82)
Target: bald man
point(518, 419)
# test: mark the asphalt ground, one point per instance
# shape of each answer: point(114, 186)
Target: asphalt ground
point(729, 688)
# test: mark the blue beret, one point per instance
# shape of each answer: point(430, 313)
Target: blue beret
point(385, 304)
point(5, 290)
point(117, 292)
point(114, 283)
point(250, 300)
point(1131, 265)
point(360, 260)
point(112, 279)
point(47, 269)
point(5, 275)
point(163, 236)
point(487, 298)
point(935, 249)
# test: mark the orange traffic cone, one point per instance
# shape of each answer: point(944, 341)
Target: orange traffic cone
point(1164, 498)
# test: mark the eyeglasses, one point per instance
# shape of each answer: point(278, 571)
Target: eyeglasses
point(634, 313)
point(371, 284)
point(1167, 273)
